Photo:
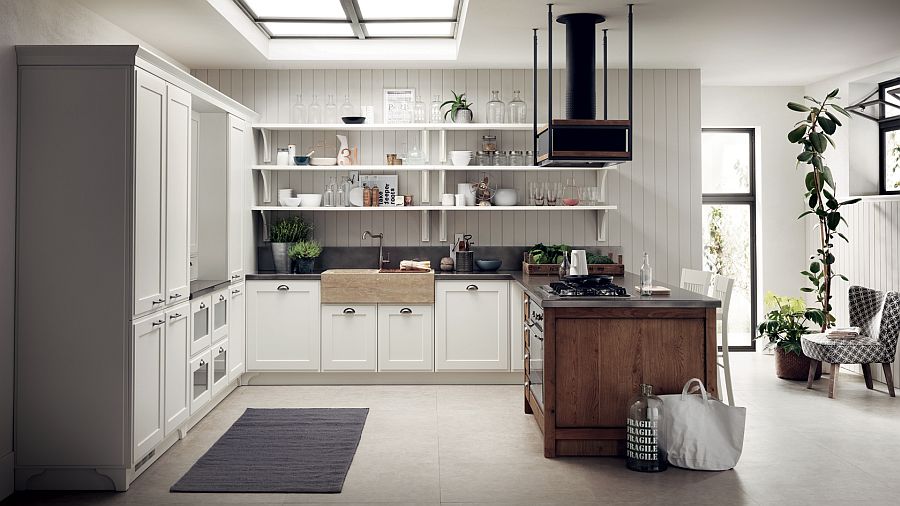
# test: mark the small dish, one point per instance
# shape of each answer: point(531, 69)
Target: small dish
point(323, 161)
point(310, 199)
point(488, 264)
point(301, 160)
point(356, 197)
point(290, 201)
point(353, 120)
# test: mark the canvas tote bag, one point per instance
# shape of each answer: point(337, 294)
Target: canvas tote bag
point(699, 432)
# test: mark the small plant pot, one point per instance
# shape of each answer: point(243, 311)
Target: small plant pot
point(791, 366)
point(463, 116)
point(280, 257)
point(304, 265)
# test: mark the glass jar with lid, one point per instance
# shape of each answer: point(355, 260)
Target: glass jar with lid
point(501, 158)
point(436, 115)
point(484, 157)
point(496, 109)
point(518, 111)
point(420, 111)
point(529, 157)
point(489, 143)
point(516, 157)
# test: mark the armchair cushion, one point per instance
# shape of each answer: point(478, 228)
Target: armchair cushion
point(864, 350)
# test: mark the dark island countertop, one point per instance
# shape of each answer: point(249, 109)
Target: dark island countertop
point(532, 285)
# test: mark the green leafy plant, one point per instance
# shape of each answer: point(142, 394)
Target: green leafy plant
point(786, 322)
point(813, 134)
point(305, 249)
point(597, 258)
point(291, 229)
point(541, 254)
point(458, 103)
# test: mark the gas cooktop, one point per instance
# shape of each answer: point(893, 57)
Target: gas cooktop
point(588, 286)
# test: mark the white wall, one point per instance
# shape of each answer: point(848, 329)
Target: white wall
point(658, 193)
point(779, 186)
point(28, 22)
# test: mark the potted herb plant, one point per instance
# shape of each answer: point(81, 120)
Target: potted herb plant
point(304, 254)
point(459, 111)
point(785, 324)
point(283, 234)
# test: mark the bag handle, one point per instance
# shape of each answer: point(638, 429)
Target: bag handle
point(687, 387)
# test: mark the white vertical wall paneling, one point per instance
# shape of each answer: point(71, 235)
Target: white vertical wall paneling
point(658, 193)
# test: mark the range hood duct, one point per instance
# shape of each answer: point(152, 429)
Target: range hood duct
point(581, 60)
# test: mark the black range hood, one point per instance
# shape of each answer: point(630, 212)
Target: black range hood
point(580, 139)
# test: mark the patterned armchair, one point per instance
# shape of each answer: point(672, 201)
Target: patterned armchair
point(877, 314)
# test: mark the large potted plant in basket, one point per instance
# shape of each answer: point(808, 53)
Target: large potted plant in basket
point(785, 324)
point(283, 234)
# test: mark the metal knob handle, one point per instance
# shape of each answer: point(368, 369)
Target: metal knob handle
point(175, 296)
point(175, 316)
point(283, 287)
point(527, 384)
point(158, 301)
point(472, 287)
point(221, 298)
point(527, 356)
point(158, 323)
point(406, 310)
point(235, 276)
point(235, 292)
point(202, 305)
point(349, 310)
point(221, 349)
point(202, 362)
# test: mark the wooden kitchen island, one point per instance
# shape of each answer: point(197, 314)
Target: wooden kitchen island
point(597, 351)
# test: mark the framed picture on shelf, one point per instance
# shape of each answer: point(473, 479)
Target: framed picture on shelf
point(398, 105)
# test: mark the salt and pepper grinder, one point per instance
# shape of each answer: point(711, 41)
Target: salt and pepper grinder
point(367, 196)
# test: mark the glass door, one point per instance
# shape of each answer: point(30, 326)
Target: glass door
point(729, 224)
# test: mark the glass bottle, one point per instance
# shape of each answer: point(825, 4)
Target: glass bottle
point(347, 108)
point(340, 198)
point(420, 111)
point(643, 451)
point(571, 193)
point(315, 110)
point(564, 265)
point(495, 108)
point(329, 193)
point(436, 115)
point(646, 276)
point(298, 110)
point(331, 116)
point(518, 111)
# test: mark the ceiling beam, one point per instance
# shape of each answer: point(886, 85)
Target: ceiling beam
point(352, 12)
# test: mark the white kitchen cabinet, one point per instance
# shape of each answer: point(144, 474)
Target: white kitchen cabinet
point(148, 419)
point(472, 325)
point(219, 352)
point(200, 379)
point(405, 338)
point(220, 313)
point(236, 332)
point(149, 193)
point(177, 199)
point(349, 337)
point(177, 349)
point(283, 325)
point(201, 324)
point(516, 326)
point(237, 168)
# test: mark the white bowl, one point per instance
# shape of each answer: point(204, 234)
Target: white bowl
point(310, 199)
point(290, 201)
point(506, 197)
point(330, 160)
point(459, 159)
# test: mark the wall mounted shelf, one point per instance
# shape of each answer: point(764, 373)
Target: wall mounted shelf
point(396, 126)
point(397, 168)
point(435, 208)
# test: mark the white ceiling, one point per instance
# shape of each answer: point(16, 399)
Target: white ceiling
point(733, 42)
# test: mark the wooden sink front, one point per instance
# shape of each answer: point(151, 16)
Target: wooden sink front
point(371, 286)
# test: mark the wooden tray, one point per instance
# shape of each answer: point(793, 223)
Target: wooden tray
point(616, 269)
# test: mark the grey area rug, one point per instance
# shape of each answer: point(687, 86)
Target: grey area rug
point(305, 450)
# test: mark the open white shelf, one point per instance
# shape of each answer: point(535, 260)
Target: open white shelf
point(396, 126)
point(436, 208)
point(397, 168)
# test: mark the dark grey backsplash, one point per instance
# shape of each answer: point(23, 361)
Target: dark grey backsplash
point(366, 257)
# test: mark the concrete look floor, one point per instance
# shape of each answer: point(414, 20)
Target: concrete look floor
point(474, 444)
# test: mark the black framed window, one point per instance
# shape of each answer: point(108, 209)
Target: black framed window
point(729, 223)
point(889, 137)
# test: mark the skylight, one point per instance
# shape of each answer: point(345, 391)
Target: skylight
point(356, 19)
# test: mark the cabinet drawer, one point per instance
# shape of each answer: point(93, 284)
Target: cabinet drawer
point(200, 380)
point(221, 301)
point(349, 337)
point(201, 324)
point(219, 361)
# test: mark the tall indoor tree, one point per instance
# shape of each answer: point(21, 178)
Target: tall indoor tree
point(813, 134)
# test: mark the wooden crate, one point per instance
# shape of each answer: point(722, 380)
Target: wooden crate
point(616, 269)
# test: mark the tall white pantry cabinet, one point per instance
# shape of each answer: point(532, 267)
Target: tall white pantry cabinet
point(103, 366)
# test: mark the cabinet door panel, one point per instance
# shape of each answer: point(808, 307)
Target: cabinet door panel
point(201, 324)
point(178, 161)
point(221, 314)
point(472, 325)
point(236, 332)
point(177, 396)
point(200, 380)
point(219, 366)
point(683, 358)
point(237, 167)
point(516, 326)
point(149, 193)
point(283, 325)
point(148, 356)
point(349, 337)
point(405, 338)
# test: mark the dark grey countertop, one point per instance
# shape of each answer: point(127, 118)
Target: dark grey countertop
point(200, 287)
point(533, 284)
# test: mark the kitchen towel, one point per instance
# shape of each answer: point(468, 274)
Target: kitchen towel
point(281, 451)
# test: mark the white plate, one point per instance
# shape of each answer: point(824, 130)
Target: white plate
point(324, 161)
point(356, 197)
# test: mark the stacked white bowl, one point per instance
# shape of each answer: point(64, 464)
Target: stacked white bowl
point(284, 194)
point(460, 158)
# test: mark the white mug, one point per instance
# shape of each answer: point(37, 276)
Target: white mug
point(460, 200)
point(447, 199)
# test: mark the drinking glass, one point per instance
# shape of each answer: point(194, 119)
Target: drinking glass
point(553, 191)
point(537, 193)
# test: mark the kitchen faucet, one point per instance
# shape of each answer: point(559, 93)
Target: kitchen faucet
point(380, 237)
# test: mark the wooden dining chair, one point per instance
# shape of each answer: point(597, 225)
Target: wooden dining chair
point(721, 289)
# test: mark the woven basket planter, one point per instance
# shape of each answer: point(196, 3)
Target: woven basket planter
point(791, 366)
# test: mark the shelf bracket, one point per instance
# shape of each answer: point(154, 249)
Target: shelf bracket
point(443, 228)
point(267, 153)
point(265, 226)
point(426, 187)
point(425, 146)
point(426, 226)
point(602, 221)
point(265, 175)
point(442, 147)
